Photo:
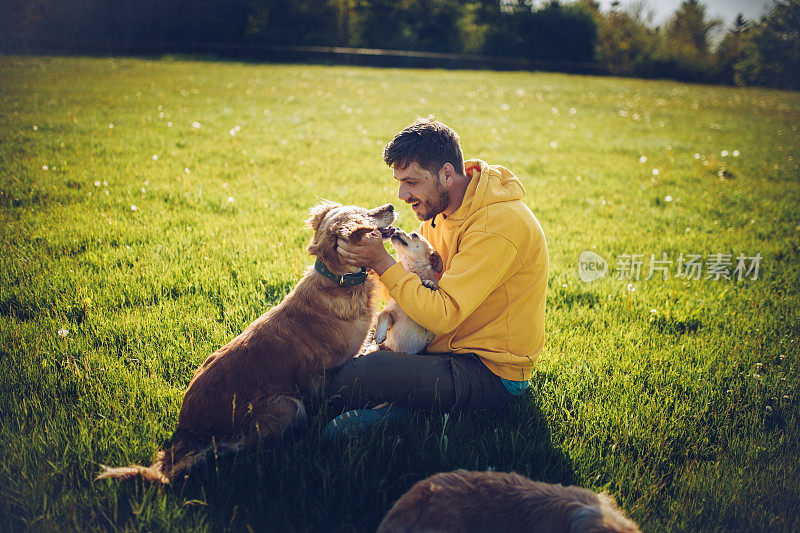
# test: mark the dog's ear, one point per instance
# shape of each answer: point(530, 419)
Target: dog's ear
point(318, 212)
point(353, 231)
point(436, 262)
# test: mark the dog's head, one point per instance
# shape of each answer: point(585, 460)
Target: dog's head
point(415, 252)
point(330, 220)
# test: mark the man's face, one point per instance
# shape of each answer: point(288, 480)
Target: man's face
point(423, 190)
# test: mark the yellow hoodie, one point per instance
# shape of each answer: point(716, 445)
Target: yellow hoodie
point(491, 297)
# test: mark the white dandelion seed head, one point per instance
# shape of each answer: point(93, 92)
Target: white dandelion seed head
point(44, 167)
point(144, 190)
point(233, 132)
point(631, 287)
point(554, 110)
point(196, 125)
point(572, 110)
point(187, 170)
point(111, 125)
point(224, 185)
point(668, 198)
point(134, 208)
point(230, 199)
point(105, 183)
point(36, 128)
point(643, 159)
point(553, 144)
point(169, 124)
point(97, 183)
point(697, 156)
point(63, 333)
point(724, 153)
point(655, 172)
point(735, 153)
point(155, 157)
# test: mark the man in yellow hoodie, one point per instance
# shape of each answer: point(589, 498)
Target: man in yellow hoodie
point(487, 314)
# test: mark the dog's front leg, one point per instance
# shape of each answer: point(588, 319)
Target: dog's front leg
point(385, 321)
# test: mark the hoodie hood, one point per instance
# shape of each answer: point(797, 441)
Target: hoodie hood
point(489, 184)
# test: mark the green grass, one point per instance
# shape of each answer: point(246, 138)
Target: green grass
point(679, 397)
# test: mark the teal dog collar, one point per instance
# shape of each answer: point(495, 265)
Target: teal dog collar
point(347, 280)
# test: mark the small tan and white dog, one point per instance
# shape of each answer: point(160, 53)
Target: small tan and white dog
point(464, 501)
point(395, 331)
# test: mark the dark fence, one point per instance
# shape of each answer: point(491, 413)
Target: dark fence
point(299, 54)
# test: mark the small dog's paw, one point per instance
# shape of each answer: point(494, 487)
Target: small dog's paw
point(432, 285)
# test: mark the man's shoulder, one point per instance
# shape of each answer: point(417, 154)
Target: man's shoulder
point(505, 218)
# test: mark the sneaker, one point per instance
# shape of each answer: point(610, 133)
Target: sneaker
point(359, 421)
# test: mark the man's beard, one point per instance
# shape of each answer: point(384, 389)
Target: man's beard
point(435, 204)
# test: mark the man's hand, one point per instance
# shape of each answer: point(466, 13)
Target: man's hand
point(368, 252)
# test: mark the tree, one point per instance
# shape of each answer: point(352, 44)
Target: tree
point(290, 22)
point(729, 51)
point(684, 44)
point(771, 50)
point(430, 25)
point(625, 41)
point(559, 32)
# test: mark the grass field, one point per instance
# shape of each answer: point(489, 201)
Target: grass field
point(149, 210)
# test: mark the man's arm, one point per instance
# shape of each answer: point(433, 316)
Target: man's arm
point(477, 269)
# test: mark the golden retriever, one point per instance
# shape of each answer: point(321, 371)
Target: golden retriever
point(395, 330)
point(497, 501)
point(249, 389)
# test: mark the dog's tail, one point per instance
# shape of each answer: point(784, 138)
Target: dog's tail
point(179, 458)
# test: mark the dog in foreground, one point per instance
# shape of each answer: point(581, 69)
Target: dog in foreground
point(249, 390)
point(395, 330)
point(463, 501)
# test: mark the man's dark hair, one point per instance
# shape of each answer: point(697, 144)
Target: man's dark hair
point(428, 143)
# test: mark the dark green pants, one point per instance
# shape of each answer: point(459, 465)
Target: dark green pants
point(425, 381)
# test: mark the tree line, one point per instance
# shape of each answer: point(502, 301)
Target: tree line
point(750, 52)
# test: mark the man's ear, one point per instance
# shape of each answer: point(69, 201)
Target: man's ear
point(446, 174)
point(318, 212)
point(353, 231)
point(436, 262)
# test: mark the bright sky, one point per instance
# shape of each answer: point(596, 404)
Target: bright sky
point(724, 9)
